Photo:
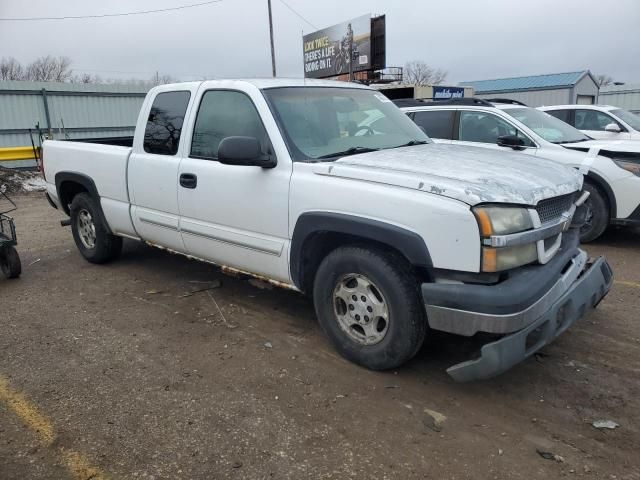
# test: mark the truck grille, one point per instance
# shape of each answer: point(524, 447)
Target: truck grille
point(552, 208)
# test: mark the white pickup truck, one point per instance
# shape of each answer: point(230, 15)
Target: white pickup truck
point(391, 234)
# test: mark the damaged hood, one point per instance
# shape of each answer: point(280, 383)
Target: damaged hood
point(470, 174)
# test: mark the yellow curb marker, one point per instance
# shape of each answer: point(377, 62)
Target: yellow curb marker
point(77, 464)
point(20, 406)
point(628, 284)
point(80, 467)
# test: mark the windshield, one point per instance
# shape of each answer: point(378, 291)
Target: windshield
point(547, 126)
point(324, 123)
point(631, 119)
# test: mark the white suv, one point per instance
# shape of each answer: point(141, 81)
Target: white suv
point(602, 122)
point(611, 169)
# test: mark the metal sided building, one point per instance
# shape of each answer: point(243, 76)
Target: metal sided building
point(539, 90)
point(626, 97)
point(63, 111)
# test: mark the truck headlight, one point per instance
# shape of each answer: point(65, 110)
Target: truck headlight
point(495, 220)
point(502, 220)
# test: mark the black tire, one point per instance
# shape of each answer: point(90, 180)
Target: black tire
point(392, 277)
point(105, 247)
point(10, 263)
point(598, 218)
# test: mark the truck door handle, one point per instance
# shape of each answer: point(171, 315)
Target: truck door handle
point(188, 180)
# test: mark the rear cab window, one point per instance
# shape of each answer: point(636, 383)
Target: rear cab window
point(164, 124)
point(436, 123)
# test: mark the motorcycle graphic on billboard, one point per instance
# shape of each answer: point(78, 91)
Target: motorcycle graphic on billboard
point(327, 51)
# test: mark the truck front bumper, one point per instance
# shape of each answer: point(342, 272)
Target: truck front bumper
point(580, 287)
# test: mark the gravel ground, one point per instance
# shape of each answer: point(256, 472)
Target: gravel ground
point(123, 371)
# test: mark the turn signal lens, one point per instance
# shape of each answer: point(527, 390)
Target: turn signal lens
point(484, 223)
point(489, 259)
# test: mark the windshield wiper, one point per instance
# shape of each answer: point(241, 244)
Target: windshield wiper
point(349, 151)
point(411, 143)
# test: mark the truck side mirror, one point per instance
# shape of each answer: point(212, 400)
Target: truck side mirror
point(511, 141)
point(612, 128)
point(244, 151)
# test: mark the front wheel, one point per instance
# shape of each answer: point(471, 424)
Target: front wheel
point(368, 303)
point(90, 232)
point(10, 263)
point(597, 217)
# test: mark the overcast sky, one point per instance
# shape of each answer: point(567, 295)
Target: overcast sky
point(471, 39)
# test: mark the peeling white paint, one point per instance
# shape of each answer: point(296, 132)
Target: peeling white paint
point(470, 174)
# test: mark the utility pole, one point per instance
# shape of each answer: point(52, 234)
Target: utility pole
point(273, 54)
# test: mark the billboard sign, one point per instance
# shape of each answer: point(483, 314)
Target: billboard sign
point(326, 52)
point(447, 93)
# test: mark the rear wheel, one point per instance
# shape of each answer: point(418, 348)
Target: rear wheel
point(597, 216)
point(90, 231)
point(368, 303)
point(10, 263)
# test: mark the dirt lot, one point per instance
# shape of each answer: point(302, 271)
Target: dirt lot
point(112, 372)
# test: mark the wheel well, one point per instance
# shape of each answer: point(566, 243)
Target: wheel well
point(319, 244)
point(605, 191)
point(67, 191)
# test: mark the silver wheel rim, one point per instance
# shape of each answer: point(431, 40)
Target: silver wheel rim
point(588, 222)
point(361, 309)
point(86, 229)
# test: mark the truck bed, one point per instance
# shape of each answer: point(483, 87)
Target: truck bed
point(104, 165)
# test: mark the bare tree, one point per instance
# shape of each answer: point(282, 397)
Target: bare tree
point(162, 79)
point(86, 78)
point(419, 73)
point(49, 69)
point(138, 82)
point(604, 80)
point(58, 69)
point(10, 69)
